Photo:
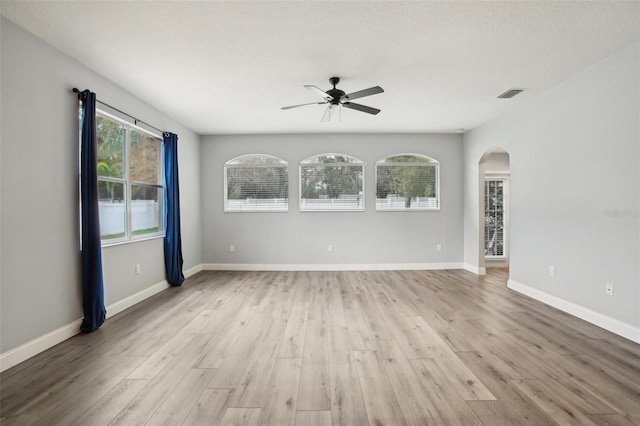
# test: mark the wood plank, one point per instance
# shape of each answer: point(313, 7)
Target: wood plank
point(241, 417)
point(611, 420)
point(514, 359)
point(358, 321)
point(284, 297)
point(517, 404)
point(594, 379)
point(333, 301)
point(35, 369)
point(494, 413)
point(280, 408)
point(561, 410)
point(443, 394)
point(313, 418)
point(242, 351)
point(448, 331)
point(318, 286)
point(108, 407)
point(176, 407)
point(347, 402)
point(157, 362)
point(69, 407)
point(294, 333)
point(314, 390)
point(253, 382)
point(225, 337)
point(417, 408)
point(141, 408)
point(209, 408)
point(302, 285)
point(382, 405)
point(46, 399)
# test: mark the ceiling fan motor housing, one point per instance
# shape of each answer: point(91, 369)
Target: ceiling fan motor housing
point(335, 94)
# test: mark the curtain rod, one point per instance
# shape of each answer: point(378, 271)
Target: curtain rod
point(135, 120)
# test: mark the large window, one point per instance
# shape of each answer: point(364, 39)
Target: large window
point(256, 183)
point(331, 182)
point(494, 217)
point(130, 181)
point(406, 182)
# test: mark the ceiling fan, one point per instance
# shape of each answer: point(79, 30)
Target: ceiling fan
point(335, 98)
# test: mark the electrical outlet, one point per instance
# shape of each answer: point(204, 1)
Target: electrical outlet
point(138, 268)
point(330, 248)
point(438, 247)
point(608, 288)
point(232, 248)
point(552, 271)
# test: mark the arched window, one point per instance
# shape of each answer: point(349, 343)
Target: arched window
point(256, 183)
point(331, 182)
point(406, 182)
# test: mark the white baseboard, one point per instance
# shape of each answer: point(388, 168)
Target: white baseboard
point(40, 344)
point(330, 267)
point(192, 271)
point(613, 325)
point(475, 269)
point(127, 302)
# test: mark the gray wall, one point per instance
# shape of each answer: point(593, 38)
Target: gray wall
point(575, 187)
point(40, 271)
point(357, 237)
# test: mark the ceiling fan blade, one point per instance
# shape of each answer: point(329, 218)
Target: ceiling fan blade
point(296, 106)
point(318, 91)
point(362, 93)
point(362, 108)
point(326, 117)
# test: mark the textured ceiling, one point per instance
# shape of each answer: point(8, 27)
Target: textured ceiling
point(228, 67)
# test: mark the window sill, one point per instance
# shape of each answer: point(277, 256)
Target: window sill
point(330, 210)
point(134, 240)
point(256, 211)
point(407, 210)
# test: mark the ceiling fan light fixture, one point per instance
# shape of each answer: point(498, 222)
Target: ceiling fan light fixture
point(333, 112)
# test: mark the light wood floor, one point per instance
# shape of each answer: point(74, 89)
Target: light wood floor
point(333, 348)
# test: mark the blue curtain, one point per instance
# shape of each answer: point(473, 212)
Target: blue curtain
point(172, 240)
point(91, 252)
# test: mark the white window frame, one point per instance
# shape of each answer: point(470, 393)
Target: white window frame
point(127, 183)
point(504, 177)
point(307, 162)
point(230, 164)
point(433, 163)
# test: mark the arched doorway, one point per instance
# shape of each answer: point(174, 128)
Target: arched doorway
point(494, 230)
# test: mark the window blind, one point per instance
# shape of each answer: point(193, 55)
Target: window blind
point(332, 182)
point(407, 182)
point(256, 183)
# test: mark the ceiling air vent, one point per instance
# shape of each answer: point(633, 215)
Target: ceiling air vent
point(510, 93)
